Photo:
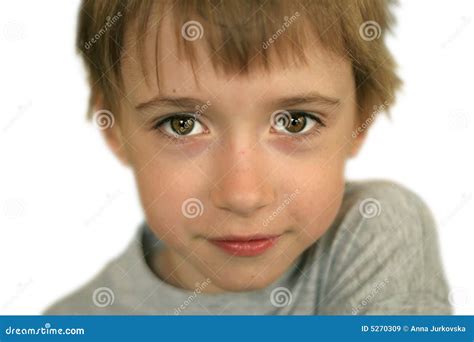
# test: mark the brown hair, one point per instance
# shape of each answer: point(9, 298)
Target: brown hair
point(240, 32)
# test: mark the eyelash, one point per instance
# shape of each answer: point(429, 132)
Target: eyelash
point(298, 137)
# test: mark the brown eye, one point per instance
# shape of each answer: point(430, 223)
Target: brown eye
point(296, 123)
point(182, 125)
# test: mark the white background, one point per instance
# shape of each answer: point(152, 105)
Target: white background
point(67, 206)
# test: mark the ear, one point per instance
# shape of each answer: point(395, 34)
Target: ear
point(108, 124)
point(116, 142)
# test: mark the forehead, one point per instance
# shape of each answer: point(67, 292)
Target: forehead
point(325, 72)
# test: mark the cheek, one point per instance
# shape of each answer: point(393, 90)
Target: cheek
point(322, 182)
point(318, 201)
point(163, 186)
point(163, 191)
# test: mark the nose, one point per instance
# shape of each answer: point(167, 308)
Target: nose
point(242, 186)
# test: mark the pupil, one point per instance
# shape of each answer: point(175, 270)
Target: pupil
point(297, 123)
point(183, 125)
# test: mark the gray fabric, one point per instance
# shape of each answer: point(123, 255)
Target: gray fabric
point(386, 264)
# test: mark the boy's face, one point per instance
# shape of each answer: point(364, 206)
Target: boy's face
point(243, 173)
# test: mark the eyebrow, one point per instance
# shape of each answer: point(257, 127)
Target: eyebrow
point(313, 97)
point(168, 101)
point(190, 102)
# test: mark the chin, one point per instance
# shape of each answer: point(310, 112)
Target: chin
point(238, 282)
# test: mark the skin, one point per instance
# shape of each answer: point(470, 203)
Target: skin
point(239, 167)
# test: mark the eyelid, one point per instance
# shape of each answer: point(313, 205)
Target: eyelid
point(162, 119)
point(313, 115)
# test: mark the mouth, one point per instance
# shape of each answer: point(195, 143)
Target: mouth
point(246, 245)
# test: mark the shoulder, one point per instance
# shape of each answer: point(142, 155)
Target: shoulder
point(384, 234)
point(88, 299)
point(381, 198)
point(115, 288)
point(376, 210)
point(384, 207)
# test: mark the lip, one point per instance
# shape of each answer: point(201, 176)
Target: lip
point(246, 245)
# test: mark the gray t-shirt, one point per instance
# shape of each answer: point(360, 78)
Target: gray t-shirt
point(380, 256)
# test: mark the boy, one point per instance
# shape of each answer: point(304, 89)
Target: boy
point(237, 119)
